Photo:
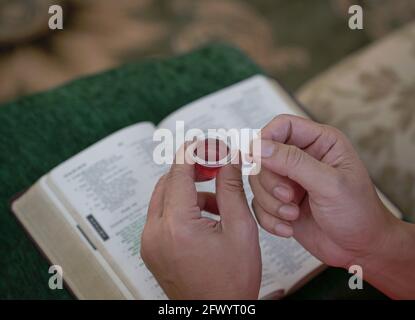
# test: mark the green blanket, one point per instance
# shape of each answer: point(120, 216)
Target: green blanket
point(38, 132)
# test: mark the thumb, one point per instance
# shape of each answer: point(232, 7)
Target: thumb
point(296, 164)
point(230, 196)
point(181, 197)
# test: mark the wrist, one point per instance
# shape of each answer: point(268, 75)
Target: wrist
point(387, 266)
point(382, 252)
point(379, 237)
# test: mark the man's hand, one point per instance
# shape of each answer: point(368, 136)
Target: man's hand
point(198, 258)
point(312, 185)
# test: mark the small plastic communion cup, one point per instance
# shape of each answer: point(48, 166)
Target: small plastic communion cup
point(210, 152)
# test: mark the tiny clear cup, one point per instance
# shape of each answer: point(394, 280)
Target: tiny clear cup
point(210, 152)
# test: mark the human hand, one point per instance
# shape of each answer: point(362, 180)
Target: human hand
point(193, 257)
point(313, 186)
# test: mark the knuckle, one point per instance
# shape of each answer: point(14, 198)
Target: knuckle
point(233, 184)
point(177, 176)
point(293, 156)
point(334, 135)
point(333, 131)
point(172, 176)
point(280, 117)
point(274, 206)
point(267, 203)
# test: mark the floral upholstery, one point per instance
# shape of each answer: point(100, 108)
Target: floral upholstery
point(370, 96)
point(292, 41)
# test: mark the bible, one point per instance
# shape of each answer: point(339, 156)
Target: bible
point(86, 215)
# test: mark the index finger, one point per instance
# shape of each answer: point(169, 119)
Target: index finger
point(312, 137)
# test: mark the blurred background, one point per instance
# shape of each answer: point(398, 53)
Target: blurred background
point(292, 40)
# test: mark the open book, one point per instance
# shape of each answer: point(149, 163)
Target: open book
point(86, 215)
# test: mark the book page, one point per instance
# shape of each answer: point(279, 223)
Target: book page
point(59, 238)
point(250, 104)
point(108, 187)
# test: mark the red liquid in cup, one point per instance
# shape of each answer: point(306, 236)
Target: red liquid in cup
point(210, 155)
point(205, 173)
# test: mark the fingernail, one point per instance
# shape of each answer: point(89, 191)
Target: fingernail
point(288, 211)
point(267, 148)
point(282, 193)
point(283, 230)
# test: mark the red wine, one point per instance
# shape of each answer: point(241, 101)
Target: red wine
point(204, 173)
point(210, 154)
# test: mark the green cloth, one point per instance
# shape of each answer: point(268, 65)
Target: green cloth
point(40, 131)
